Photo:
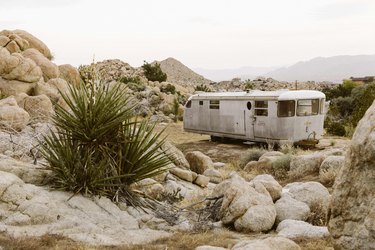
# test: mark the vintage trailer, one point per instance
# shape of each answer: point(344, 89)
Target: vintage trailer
point(258, 116)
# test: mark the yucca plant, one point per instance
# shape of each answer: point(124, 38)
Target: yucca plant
point(98, 147)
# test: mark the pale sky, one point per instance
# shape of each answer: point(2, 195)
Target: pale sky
point(212, 34)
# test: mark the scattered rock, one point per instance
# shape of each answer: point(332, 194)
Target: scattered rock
point(182, 173)
point(270, 243)
point(299, 229)
point(240, 199)
point(332, 164)
point(198, 161)
point(289, 208)
point(214, 175)
point(202, 180)
point(305, 164)
point(219, 165)
point(312, 193)
point(209, 248)
point(12, 117)
point(272, 186)
point(70, 74)
point(176, 156)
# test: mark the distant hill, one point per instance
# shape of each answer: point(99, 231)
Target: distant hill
point(228, 74)
point(333, 69)
point(179, 73)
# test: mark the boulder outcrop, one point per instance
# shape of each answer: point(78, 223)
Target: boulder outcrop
point(352, 212)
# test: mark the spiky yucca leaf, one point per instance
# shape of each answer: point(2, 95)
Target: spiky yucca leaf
point(97, 148)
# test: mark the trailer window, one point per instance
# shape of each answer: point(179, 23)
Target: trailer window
point(261, 108)
point(214, 104)
point(188, 104)
point(201, 103)
point(322, 103)
point(286, 108)
point(307, 107)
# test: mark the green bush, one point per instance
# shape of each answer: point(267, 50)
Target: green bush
point(252, 154)
point(281, 166)
point(97, 147)
point(153, 72)
point(130, 79)
point(202, 87)
point(169, 88)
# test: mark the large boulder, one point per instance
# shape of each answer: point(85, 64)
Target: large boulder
point(29, 210)
point(13, 42)
point(34, 42)
point(301, 165)
point(175, 155)
point(214, 175)
point(199, 162)
point(299, 229)
point(289, 208)
point(352, 212)
point(52, 88)
point(332, 163)
point(70, 74)
point(312, 193)
point(270, 243)
point(16, 67)
point(244, 206)
point(49, 69)
point(39, 107)
point(272, 186)
point(12, 117)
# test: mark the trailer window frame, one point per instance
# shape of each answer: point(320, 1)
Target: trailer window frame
point(303, 107)
point(322, 105)
point(214, 104)
point(188, 104)
point(261, 107)
point(290, 108)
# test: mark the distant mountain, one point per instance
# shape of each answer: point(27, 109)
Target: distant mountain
point(179, 73)
point(333, 69)
point(228, 74)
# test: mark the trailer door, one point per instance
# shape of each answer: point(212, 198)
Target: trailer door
point(249, 119)
point(261, 123)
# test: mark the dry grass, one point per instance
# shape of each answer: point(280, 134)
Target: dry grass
point(327, 178)
point(318, 215)
point(315, 244)
point(45, 242)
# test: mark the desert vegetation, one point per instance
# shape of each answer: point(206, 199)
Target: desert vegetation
point(98, 148)
point(348, 103)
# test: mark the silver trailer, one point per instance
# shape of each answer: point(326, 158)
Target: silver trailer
point(281, 116)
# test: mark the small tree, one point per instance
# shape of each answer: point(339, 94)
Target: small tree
point(153, 72)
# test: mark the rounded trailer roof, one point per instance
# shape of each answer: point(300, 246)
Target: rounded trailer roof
point(301, 94)
point(282, 94)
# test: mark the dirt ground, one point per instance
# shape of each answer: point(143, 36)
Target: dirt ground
point(230, 150)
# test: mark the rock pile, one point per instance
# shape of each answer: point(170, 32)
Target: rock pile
point(28, 74)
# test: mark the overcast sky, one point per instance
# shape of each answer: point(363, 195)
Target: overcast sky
point(212, 34)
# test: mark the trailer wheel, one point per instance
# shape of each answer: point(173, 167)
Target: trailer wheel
point(215, 138)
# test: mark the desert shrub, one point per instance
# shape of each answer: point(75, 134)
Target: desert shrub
point(252, 154)
point(153, 72)
point(168, 88)
point(281, 166)
point(248, 85)
point(202, 87)
point(334, 127)
point(136, 87)
point(175, 109)
point(97, 147)
point(130, 79)
point(327, 177)
point(318, 214)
